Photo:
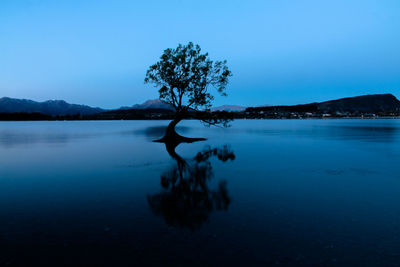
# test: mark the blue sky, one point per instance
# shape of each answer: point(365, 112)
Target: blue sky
point(280, 52)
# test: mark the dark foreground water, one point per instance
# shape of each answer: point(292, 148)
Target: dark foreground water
point(261, 193)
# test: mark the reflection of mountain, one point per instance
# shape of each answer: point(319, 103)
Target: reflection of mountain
point(186, 199)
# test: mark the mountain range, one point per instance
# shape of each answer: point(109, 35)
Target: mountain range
point(50, 107)
point(361, 104)
point(159, 104)
point(62, 108)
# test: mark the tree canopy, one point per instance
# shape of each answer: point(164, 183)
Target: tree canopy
point(184, 76)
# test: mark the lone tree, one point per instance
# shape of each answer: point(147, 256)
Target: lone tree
point(184, 76)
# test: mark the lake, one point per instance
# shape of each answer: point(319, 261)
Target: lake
point(260, 193)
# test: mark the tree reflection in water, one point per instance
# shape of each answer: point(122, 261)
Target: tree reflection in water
point(186, 199)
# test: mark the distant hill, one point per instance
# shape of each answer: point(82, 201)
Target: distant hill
point(51, 107)
point(366, 103)
point(362, 104)
point(156, 104)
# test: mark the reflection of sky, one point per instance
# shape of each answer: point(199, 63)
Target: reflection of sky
point(22, 133)
point(354, 130)
point(315, 189)
point(15, 136)
point(280, 52)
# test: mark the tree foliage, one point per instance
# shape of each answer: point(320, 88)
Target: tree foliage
point(184, 76)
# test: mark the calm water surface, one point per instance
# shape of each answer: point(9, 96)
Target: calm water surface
point(261, 193)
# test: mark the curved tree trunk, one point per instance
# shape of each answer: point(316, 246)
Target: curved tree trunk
point(171, 136)
point(170, 132)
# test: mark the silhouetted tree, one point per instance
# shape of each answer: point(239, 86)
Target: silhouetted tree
point(186, 200)
point(184, 76)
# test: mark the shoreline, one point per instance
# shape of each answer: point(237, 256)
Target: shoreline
point(192, 119)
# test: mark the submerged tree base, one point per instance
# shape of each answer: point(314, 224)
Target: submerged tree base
point(172, 137)
point(177, 139)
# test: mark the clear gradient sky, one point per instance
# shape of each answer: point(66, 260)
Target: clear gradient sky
point(96, 52)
